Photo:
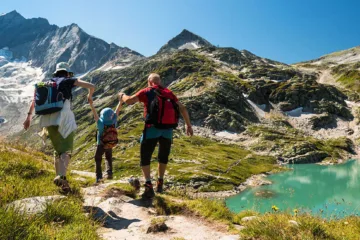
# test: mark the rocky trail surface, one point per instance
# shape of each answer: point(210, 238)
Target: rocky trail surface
point(128, 218)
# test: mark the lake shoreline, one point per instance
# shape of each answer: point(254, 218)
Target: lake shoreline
point(257, 180)
point(253, 181)
point(328, 190)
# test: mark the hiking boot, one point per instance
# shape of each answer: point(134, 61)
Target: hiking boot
point(149, 192)
point(65, 187)
point(160, 185)
point(99, 180)
point(109, 176)
point(135, 183)
point(58, 181)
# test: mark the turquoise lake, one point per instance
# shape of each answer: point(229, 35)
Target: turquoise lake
point(330, 191)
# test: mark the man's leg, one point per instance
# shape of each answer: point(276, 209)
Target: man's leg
point(108, 163)
point(146, 172)
point(98, 158)
point(146, 150)
point(163, 158)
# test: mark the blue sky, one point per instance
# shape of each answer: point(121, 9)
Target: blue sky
point(285, 30)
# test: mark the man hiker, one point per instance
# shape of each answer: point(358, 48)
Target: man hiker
point(52, 102)
point(106, 138)
point(161, 108)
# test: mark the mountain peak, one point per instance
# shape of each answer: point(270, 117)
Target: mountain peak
point(184, 40)
point(12, 15)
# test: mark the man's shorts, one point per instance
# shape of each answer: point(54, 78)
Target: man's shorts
point(152, 137)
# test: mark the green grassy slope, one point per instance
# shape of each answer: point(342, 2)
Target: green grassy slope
point(25, 173)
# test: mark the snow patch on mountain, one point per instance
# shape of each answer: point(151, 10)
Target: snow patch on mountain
point(17, 78)
point(190, 45)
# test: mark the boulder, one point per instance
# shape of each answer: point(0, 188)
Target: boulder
point(294, 223)
point(299, 149)
point(247, 219)
point(34, 204)
point(324, 120)
point(310, 157)
point(265, 194)
point(157, 225)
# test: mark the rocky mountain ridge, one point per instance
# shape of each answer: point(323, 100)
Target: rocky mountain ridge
point(45, 44)
point(29, 51)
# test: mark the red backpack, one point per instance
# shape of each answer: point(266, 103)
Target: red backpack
point(109, 137)
point(162, 111)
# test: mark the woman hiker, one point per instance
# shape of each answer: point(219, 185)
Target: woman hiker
point(61, 125)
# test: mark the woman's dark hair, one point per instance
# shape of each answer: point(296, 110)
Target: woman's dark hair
point(61, 73)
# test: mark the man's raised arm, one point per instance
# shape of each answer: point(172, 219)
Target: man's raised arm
point(128, 99)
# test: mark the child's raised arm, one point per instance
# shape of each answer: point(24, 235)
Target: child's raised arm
point(118, 108)
point(96, 116)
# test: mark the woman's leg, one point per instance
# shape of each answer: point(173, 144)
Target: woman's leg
point(64, 163)
point(63, 148)
point(57, 163)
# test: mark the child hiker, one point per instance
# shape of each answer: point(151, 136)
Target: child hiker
point(106, 137)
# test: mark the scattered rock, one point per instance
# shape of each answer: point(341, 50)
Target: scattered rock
point(34, 204)
point(157, 225)
point(322, 121)
point(293, 222)
point(84, 174)
point(256, 180)
point(80, 179)
point(239, 227)
point(300, 149)
point(265, 194)
point(349, 131)
point(248, 219)
point(310, 157)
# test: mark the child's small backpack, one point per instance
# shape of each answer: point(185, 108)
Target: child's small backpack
point(48, 98)
point(109, 137)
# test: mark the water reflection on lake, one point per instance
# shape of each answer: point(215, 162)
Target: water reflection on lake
point(332, 191)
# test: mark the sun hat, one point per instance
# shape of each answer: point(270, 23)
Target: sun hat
point(62, 66)
point(107, 116)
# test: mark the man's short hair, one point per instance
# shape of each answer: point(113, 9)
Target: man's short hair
point(155, 78)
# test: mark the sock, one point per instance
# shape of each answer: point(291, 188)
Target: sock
point(63, 177)
point(148, 182)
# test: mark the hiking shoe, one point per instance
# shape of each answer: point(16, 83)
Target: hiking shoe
point(135, 183)
point(58, 181)
point(160, 185)
point(65, 187)
point(149, 192)
point(108, 176)
point(99, 180)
